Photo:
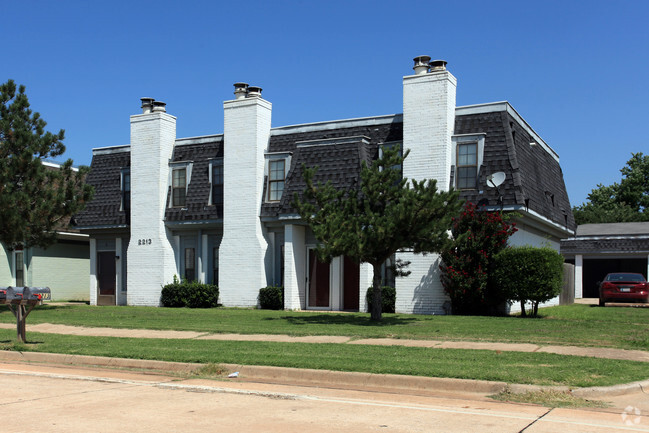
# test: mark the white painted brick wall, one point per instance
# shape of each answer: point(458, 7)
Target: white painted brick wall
point(294, 267)
point(151, 262)
point(428, 123)
point(243, 248)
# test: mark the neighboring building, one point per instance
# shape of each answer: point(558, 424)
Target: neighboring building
point(63, 267)
point(598, 249)
point(218, 208)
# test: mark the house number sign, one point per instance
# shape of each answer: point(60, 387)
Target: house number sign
point(144, 241)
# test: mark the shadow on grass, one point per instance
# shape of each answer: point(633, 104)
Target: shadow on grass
point(344, 319)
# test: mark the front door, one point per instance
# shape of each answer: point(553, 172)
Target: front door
point(106, 278)
point(351, 277)
point(317, 282)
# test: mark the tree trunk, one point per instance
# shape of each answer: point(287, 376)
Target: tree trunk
point(377, 301)
point(536, 308)
point(523, 309)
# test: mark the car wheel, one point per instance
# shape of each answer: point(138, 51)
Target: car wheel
point(602, 303)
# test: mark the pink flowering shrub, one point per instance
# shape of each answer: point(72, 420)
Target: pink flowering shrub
point(466, 262)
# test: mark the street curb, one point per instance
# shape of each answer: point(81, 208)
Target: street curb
point(324, 378)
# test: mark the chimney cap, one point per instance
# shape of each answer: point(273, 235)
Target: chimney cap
point(159, 106)
point(254, 92)
point(438, 65)
point(240, 90)
point(147, 105)
point(421, 64)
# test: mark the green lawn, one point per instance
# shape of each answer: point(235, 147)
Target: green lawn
point(511, 367)
point(580, 325)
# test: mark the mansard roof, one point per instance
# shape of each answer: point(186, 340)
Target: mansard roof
point(534, 180)
point(611, 238)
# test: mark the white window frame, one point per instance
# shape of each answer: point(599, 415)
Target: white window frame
point(14, 270)
point(286, 157)
point(479, 140)
point(187, 165)
point(390, 144)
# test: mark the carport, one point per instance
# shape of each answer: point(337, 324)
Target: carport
point(598, 249)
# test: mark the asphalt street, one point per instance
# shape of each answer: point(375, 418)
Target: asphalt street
point(52, 398)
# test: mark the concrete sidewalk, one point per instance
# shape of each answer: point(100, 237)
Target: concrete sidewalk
point(595, 352)
point(323, 378)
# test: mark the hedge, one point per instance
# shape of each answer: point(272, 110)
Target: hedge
point(189, 294)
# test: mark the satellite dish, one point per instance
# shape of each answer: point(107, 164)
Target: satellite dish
point(496, 179)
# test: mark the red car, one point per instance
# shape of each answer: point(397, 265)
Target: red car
point(623, 287)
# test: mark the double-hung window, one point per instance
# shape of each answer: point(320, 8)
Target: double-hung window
point(19, 268)
point(179, 186)
point(126, 190)
point(276, 177)
point(217, 183)
point(467, 165)
point(467, 155)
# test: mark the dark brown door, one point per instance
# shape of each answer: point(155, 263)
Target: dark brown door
point(351, 275)
point(318, 282)
point(106, 278)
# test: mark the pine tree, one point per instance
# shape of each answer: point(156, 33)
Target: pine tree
point(35, 200)
point(386, 214)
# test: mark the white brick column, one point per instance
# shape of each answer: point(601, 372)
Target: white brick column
point(428, 124)
point(243, 248)
point(151, 262)
point(366, 279)
point(579, 276)
point(294, 267)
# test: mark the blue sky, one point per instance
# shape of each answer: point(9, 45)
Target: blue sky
point(575, 70)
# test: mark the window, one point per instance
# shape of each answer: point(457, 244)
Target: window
point(179, 187)
point(275, 179)
point(217, 183)
point(19, 268)
point(190, 264)
point(467, 165)
point(390, 146)
point(126, 190)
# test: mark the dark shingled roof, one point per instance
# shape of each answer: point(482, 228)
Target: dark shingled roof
point(338, 158)
point(608, 238)
point(105, 177)
point(533, 176)
point(198, 191)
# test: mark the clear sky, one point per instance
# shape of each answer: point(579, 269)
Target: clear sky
point(577, 71)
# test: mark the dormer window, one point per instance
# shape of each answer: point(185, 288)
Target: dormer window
point(178, 186)
point(467, 165)
point(276, 177)
point(216, 182)
point(467, 153)
point(125, 187)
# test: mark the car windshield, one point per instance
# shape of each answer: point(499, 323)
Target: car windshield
point(624, 277)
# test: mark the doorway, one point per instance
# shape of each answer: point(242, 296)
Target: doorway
point(318, 282)
point(106, 278)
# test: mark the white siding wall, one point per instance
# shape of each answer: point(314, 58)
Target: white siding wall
point(64, 268)
point(428, 123)
point(151, 261)
point(243, 248)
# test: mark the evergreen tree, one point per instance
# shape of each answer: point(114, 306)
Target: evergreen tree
point(34, 199)
point(627, 201)
point(386, 214)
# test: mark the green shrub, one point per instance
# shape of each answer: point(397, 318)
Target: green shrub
point(271, 298)
point(528, 274)
point(189, 294)
point(388, 299)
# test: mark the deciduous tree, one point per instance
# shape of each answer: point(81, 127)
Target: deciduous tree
point(627, 201)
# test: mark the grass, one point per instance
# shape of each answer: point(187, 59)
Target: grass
point(578, 325)
point(510, 367)
point(549, 399)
